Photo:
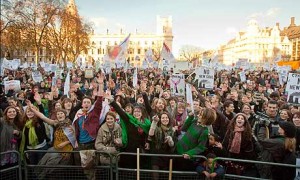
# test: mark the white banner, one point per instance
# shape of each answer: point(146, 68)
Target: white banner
point(177, 82)
point(189, 97)
point(205, 77)
point(293, 88)
point(12, 85)
point(37, 76)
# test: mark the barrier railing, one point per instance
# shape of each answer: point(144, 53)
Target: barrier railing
point(12, 170)
point(62, 170)
point(146, 172)
point(234, 176)
point(113, 170)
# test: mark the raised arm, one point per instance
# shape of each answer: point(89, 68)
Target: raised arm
point(41, 115)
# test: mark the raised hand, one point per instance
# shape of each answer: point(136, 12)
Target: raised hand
point(37, 98)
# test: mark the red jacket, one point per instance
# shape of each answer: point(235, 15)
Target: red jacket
point(91, 124)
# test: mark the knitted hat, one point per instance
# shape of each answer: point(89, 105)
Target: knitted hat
point(289, 129)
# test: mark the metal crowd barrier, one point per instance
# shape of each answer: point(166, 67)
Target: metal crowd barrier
point(114, 171)
point(11, 171)
point(234, 176)
point(147, 173)
point(68, 171)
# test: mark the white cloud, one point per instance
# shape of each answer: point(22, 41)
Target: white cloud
point(231, 30)
point(272, 12)
point(99, 22)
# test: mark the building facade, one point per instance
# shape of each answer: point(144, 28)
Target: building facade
point(293, 33)
point(258, 45)
point(138, 45)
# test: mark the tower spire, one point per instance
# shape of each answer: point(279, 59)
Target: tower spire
point(72, 8)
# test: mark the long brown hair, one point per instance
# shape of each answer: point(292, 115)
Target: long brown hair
point(17, 120)
point(247, 133)
point(34, 119)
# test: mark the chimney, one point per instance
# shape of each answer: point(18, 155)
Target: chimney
point(292, 21)
point(106, 31)
point(277, 24)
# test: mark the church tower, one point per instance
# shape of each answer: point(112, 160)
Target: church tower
point(164, 28)
point(72, 8)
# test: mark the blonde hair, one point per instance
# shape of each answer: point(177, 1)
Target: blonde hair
point(290, 144)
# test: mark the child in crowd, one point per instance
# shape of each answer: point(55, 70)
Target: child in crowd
point(210, 169)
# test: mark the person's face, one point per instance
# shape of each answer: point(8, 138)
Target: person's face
point(164, 119)
point(294, 110)
point(240, 121)
point(110, 120)
point(140, 100)
point(245, 99)
point(137, 113)
point(272, 110)
point(60, 116)
point(246, 110)
point(57, 106)
point(29, 114)
point(68, 105)
point(230, 108)
point(128, 109)
point(11, 113)
point(180, 110)
point(296, 120)
point(160, 105)
point(211, 140)
point(284, 115)
point(172, 103)
point(210, 162)
point(214, 98)
point(86, 104)
point(196, 104)
point(166, 95)
point(12, 102)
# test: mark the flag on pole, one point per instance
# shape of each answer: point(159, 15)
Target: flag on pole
point(149, 56)
point(166, 53)
point(135, 78)
point(67, 85)
point(118, 52)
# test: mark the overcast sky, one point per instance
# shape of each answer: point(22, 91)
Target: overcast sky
point(204, 23)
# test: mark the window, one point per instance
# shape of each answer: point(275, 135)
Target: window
point(99, 51)
point(139, 51)
point(116, 43)
point(100, 43)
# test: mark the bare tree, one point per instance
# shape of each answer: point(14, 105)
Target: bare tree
point(190, 52)
point(156, 50)
point(35, 16)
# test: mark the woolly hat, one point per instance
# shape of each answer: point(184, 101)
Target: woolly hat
point(289, 129)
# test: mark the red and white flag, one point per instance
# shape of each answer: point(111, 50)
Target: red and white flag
point(118, 53)
point(166, 53)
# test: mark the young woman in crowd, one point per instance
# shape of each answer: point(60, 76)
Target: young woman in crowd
point(64, 140)
point(195, 140)
point(162, 140)
point(34, 135)
point(280, 149)
point(10, 134)
point(135, 129)
point(285, 115)
point(239, 145)
point(109, 138)
point(180, 116)
point(296, 121)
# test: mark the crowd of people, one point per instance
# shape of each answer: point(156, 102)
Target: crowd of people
point(248, 120)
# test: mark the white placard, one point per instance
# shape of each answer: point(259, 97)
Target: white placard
point(12, 85)
point(37, 76)
point(242, 76)
point(205, 77)
point(293, 88)
point(177, 82)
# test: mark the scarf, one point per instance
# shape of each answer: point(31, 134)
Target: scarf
point(237, 140)
point(164, 128)
point(145, 126)
point(33, 139)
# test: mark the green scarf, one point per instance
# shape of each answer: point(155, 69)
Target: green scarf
point(33, 139)
point(144, 125)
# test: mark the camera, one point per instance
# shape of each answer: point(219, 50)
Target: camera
point(263, 119)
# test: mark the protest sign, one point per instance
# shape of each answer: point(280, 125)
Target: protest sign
point(177, 82)
point(12, 85)
point(293, 88)
point(205, 77)
point(242, 76)
point(37, 76)
point(88, 73)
